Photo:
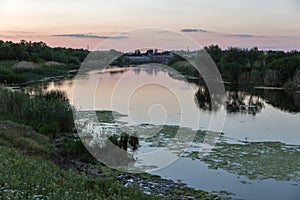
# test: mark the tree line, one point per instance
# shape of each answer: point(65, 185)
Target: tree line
point(238, 65)
point(271, 68)
point(38, 52)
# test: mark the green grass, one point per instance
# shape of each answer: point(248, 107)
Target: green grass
point(27, 173)
point(24, 177)
point(24, 139)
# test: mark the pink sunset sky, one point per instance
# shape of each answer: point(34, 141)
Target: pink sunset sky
point(267, 24)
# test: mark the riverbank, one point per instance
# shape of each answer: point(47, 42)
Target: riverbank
point(36, 167)
point(13, 73)
point(54, 148)
point(72, 153)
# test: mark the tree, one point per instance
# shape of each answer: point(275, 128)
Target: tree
point(253, 55)
point(232, 63)
point(215, 53)
point(40, 52)
point(6, 51)
point(285, 67)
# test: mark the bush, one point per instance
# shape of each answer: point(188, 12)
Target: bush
point(271, 77)
point(50, 130)
point(73, 146)
point(293, 83)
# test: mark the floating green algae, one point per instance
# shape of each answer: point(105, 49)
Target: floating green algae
point(256, 160)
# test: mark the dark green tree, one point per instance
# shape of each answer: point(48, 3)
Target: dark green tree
point(232, 63)
point(215, 53)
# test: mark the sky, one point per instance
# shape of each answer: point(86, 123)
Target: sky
point(267, 24)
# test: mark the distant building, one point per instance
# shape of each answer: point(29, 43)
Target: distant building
point(149, 56)
point(138, 59)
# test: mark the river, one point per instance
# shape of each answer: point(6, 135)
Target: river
point(257, 156)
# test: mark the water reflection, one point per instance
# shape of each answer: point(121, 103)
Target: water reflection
point(287, 101)
point(238, 101)
point(244, 99)
point(114, 72)
point(249, 100)
point(205, 99)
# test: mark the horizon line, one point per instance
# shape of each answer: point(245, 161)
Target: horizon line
point(263, 48)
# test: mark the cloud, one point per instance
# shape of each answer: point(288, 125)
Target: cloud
point(90, 36)
point(169, 32)
point(244, 35)
point(190, 30)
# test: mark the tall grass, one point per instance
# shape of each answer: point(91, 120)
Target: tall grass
point(12, 75)
point(42, 70)
point(47, 112)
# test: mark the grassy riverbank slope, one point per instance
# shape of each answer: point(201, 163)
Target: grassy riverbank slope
point(27, 172)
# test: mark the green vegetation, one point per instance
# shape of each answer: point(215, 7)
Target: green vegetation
point(39, 52)
point(237, 65)
point(24, 139)
point(272, 68)
point(244, 66)
point(38, 61)
point(47, 112)
point(108, 116)
point(125, 140)
point(9, 74)
point(197, 194)
point(256, 160)
point(25, 177)
point(72, 146)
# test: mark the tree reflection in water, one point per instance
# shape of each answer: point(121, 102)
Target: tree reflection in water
point(236, 101)
point(205, 100)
